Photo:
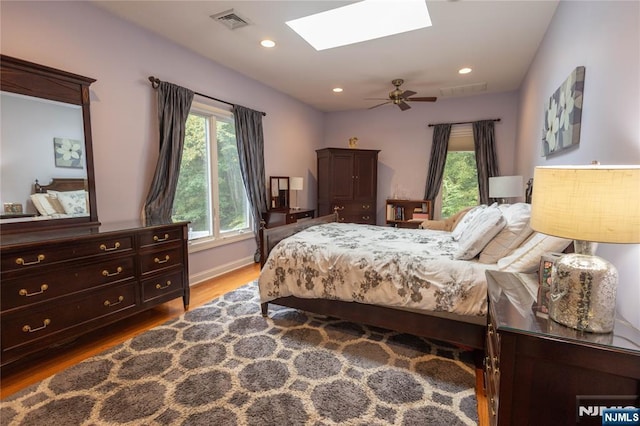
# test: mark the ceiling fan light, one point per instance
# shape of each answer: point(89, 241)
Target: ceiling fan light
point(337, 89)
point(465, 70)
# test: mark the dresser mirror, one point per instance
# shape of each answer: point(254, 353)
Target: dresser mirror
point(46, 155)
point(279, 189)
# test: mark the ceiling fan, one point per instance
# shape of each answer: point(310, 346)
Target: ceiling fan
point(400, 98)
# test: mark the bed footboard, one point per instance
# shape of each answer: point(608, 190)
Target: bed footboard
point(269, 237)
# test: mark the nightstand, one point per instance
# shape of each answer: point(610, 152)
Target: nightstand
point(535, 368)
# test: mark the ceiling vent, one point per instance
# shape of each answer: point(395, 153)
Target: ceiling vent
point(463, 90)
point(230, 19)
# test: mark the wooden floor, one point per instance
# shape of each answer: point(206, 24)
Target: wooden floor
point(57, 360)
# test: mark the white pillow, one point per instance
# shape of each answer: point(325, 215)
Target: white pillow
point(514, 233)
point(479, 232)
point(46, 205)
point(74, 202)
point(526, 258)
point(466, 219)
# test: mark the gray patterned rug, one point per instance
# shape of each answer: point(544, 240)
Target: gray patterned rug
point(224, 364)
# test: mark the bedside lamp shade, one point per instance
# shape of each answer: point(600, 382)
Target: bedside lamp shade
point(296, 184)
point(505, 187)
point(587, 204)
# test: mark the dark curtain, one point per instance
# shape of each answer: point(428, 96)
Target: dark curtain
point(438, 159)
point(250, 140)
point(174, 103)
point(486, 158)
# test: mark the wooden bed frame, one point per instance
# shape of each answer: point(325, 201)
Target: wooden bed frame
point(61, 184)
point(458, 332)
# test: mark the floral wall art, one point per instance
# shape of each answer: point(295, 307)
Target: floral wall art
point(563, 113)
point(68, 153)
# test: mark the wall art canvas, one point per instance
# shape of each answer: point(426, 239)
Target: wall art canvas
point(68, 153)
point(563, 114)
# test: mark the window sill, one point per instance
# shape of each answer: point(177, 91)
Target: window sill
point(196, 245)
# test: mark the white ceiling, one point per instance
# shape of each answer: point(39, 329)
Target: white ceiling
point(498, 39)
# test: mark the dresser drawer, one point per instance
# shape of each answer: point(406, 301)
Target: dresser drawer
point(162, 285)
point(161, 259)
point(29, 259)
point(160, 236)
point(49, 284)
point(353, 208)
point(365, 218)
point(29, 325)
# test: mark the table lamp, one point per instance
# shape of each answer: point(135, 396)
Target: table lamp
point(296, 184)
point(588, 204)
point(503, 187)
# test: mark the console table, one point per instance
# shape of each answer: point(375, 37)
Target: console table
point(535, 368)
point(60, 284)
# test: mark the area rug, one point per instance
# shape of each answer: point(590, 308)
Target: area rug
point(225, 364)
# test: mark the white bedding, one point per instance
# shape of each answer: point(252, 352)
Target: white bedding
point(403, 268)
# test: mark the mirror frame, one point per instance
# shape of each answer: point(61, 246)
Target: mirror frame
point(39, 81)
point(282, 200)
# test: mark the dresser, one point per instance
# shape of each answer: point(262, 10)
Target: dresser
point(348, 182)
point(58, 285)
point(539, 372)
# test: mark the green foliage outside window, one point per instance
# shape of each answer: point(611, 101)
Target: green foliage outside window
point(459, 182)
point(193, 194)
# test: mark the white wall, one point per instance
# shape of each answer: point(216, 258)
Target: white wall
point(603, 36)
point(83, 39)
point(404, 137)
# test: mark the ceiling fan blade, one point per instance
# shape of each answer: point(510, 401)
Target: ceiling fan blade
point(404, 106)
point(407, 93)
point(376, 106)
point(424, 99)
point(376, 99)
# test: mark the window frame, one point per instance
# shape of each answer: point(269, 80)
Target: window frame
point(218, 238)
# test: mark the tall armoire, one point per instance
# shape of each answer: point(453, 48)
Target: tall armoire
point(348, 181)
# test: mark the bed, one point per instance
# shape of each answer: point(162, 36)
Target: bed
point(420, 282)
point(61, 198)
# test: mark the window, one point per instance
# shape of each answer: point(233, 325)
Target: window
point(210, 191)
point(460, 179)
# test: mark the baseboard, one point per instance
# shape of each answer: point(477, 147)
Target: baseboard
point(219, 270)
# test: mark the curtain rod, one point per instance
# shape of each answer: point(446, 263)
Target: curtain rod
point(155, 82)
point(465, 122)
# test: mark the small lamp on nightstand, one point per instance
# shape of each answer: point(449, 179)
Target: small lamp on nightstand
point(588, 204)
point(296, 184)
point(504, 187)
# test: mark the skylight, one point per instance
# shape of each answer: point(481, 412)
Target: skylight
point(362, 21)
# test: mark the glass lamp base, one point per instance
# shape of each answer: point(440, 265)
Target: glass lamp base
point(583, 293)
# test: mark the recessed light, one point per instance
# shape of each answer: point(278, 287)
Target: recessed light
point(268, 43)
point(361, 21)
point(337, 89)
point(465, 70)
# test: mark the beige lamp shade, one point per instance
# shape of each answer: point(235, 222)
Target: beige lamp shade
point(296, 183)
point(505, 186)
point(589, 203)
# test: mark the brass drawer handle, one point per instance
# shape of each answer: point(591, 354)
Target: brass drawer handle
point(166, 259)
point(161, 287)
point(24, 292)
point(338, 208)
point(21, 261)
point(111, 274)
point(28, 329)
point(366, 217)
point(116, 246)
point(366, 207)
point(107, 303)
point(159, 240)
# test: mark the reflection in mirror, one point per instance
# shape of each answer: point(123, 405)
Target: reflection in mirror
point(279, 191)
point(41, 140)
point(45, 138)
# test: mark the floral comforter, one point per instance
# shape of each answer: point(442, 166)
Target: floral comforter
point(394, 267)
